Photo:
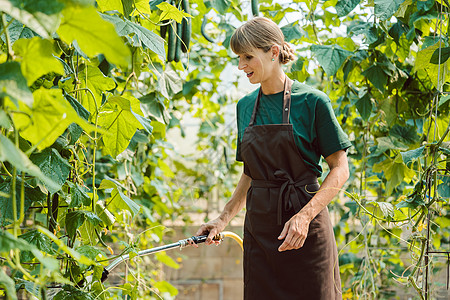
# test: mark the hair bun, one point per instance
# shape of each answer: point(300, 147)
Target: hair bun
point(286, 53)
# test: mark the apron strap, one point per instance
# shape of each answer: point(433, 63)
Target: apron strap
point(286, 102)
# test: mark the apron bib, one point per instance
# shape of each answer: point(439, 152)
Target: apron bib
point(281, 185)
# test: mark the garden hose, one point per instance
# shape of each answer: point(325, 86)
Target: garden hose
point(180, 244)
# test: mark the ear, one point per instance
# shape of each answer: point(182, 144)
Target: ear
point(275, 51)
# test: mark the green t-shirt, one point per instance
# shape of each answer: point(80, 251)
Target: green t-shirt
point(316, 131)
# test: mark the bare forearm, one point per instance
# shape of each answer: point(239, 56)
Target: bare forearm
point(334, 181)
point(237, 200)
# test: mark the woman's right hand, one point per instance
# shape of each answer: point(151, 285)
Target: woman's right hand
point(212, 228)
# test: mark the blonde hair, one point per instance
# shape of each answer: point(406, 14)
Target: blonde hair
point(261, 33)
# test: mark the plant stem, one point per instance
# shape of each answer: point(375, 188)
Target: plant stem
point(7, 37)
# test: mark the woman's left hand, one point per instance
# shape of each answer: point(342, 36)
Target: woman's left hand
point(294, 232)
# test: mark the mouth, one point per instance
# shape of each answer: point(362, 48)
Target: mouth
point(250, 74)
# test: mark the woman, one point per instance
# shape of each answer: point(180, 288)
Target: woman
point(284, 128)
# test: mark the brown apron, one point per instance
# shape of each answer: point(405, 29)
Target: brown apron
point(281, 185)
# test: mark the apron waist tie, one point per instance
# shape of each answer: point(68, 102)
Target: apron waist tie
point(288, 191)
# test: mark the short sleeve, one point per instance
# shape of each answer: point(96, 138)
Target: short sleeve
point(330, 136)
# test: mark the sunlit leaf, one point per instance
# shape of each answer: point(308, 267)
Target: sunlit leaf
point(10, 153)
point(330, 57)
point(37, 58)
point(384, 9)
point(344, 7)
point(291, 32)
point(167, 260)
point(42, 16)
point(53, 166)
point(169, 12)
point(93, 34)
point(13, 84)
point(412, 155)
point(118, 200)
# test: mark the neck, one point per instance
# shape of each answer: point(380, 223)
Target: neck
point(274, 84)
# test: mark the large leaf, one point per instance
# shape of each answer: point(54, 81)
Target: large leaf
point(53, 166)
point(6, 204)
point(170, 83)
point(364, 106)
point(169, 12)
point(8, 242)
point(444, 188)
point(41, 241)
point(50, 115)
point(376, 76)
point(344, 7)
point(118, 200)
point(78, 196)
point(440, 55)
point(121, 117)
point(8, 284)
point(291, 32)
point(93, 79)
point(221, 5)
point(395, 172)
point(384, 9)
point(330, 57)
point(108, 5)
point(42, 16)
point(412, 155)
point(71, 293)
point(9, 152)
point(17, 31)
point(146, 37)
point(93, 34)
point(13, 84)
point(76, 218)
point(37, 58)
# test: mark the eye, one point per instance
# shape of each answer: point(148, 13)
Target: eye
point(248, 57)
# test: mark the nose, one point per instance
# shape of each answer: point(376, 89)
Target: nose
point(241, 64)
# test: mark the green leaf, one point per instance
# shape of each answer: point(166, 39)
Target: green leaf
point(118, 117)
point(147, 38)
point(74, 129)
point(97, 83)
point(291, 32)
point(365, 106)
point(406, 134)
point(50, 115)
point(443, 99)
point(89, 251)
point(444, 188)
point(376, 76)
point(397, 30)
point(72, 293)
point(8, 284)
point(31, 195)
point(53, 166)
point(167, 260)
point(37, 58)
point(76, 218)
point(387, 209)
point(384, 9)
point(442, 58)
point(118, 200)
point(344, 7)
point(169, 12)
point(330, 57)
point(412, 155)
point(166, 287)
point(153, 105)
point(17, 31)
point(170, 83)
point(41, 241)
point(13, 84)
point(221, 5)
point(109, 5)
point(104, 214)
point(8, 242)
point(42, 16)
point(78, 196)
point(395, 172)
point(93, 34)
point(9, 152)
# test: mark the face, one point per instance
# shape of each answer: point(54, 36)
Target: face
point(258, 65)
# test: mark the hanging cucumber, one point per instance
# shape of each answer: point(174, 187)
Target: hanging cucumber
point(255, 10)
point(186, 28)
point(172, 42)
point(178, 43)
point(163, 30)
point(207, 37)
